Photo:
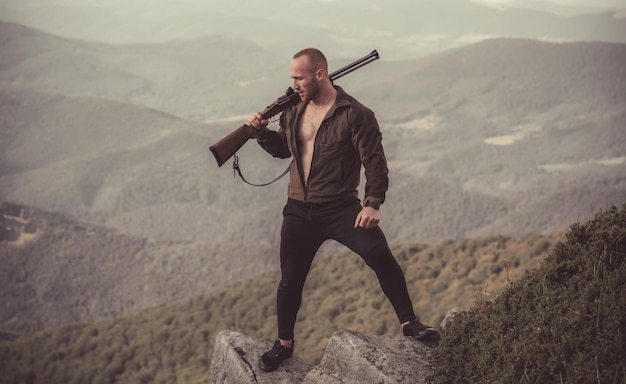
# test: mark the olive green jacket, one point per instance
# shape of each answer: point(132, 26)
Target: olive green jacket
point(348, 137)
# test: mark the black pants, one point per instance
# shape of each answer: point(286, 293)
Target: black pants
point(305, 227)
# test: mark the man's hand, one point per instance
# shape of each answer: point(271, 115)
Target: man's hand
point(368, 218)
point(257, 122)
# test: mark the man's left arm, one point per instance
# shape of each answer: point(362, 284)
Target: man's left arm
point(367, 139)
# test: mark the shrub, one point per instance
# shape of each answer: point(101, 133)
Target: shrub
point(563, 323)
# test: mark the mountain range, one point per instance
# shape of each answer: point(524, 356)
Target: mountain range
point(502, 136)
point(505, 136)
point(399, 29)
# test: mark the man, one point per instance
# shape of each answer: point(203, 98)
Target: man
point(330, 135)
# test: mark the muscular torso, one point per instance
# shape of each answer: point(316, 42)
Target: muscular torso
point(307, 131)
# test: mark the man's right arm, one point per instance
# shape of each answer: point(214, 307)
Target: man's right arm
point(275, 143)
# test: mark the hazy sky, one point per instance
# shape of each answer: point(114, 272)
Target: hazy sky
point(132, 21)
point(586, 3)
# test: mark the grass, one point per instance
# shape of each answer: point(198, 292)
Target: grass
point(563, 323)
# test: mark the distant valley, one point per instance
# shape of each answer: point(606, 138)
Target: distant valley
point(503, 137)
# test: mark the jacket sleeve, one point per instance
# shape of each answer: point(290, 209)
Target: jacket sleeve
point(367, 139)
point(275, 142)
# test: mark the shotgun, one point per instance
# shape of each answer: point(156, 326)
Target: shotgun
point(228, 146)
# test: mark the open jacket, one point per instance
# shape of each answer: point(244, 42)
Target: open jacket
point(348, 137)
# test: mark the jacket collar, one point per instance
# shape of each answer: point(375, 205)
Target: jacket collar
point(341, 100)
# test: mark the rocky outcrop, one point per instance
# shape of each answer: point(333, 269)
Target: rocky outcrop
point(236, 361)
point(350, 357)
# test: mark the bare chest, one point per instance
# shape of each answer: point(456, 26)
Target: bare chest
point(309, 125)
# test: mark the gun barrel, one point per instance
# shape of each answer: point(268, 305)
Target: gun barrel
point(354, 65)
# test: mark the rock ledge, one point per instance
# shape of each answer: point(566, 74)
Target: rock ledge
point(350, 357)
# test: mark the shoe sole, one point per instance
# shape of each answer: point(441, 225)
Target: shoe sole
point(426, 333)
point(429, 338)
point(267, 368)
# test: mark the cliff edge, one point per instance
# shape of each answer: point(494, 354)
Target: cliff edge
point(350, 357)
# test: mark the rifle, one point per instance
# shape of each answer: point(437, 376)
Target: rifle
point(228, 146)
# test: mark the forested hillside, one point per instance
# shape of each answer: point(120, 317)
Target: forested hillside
point(173, 342)
point(56, 270)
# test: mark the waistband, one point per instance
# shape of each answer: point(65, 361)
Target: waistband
point(341, 202)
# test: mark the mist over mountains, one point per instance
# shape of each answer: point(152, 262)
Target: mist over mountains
point(505, 136)
point(399, 29)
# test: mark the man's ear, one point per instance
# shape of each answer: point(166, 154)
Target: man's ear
point(319, 74)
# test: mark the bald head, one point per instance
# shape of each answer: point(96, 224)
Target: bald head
point(317, 60)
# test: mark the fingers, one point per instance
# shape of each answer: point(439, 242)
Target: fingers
point(257, 121)
point(365, 219)
point(366, 223)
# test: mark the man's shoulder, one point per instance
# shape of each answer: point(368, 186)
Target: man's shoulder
point(345, 99)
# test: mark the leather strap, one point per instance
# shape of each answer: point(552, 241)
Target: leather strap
point(237, 171)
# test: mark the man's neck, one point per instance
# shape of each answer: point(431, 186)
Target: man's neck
point(325, 97)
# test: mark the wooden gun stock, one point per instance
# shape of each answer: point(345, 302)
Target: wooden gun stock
point(230, 144)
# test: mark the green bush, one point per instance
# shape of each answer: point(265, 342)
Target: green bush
point(563, 323)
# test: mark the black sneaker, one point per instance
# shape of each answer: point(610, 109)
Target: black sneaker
point(272, 358)
point(421, 332)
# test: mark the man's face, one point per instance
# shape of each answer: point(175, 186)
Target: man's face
point(304, 79)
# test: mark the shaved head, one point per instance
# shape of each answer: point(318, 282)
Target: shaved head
point(317, 59)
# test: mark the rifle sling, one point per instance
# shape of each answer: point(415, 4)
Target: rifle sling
point(237, 170)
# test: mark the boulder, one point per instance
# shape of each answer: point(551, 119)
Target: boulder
point(350, 357)
point(236, 361)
